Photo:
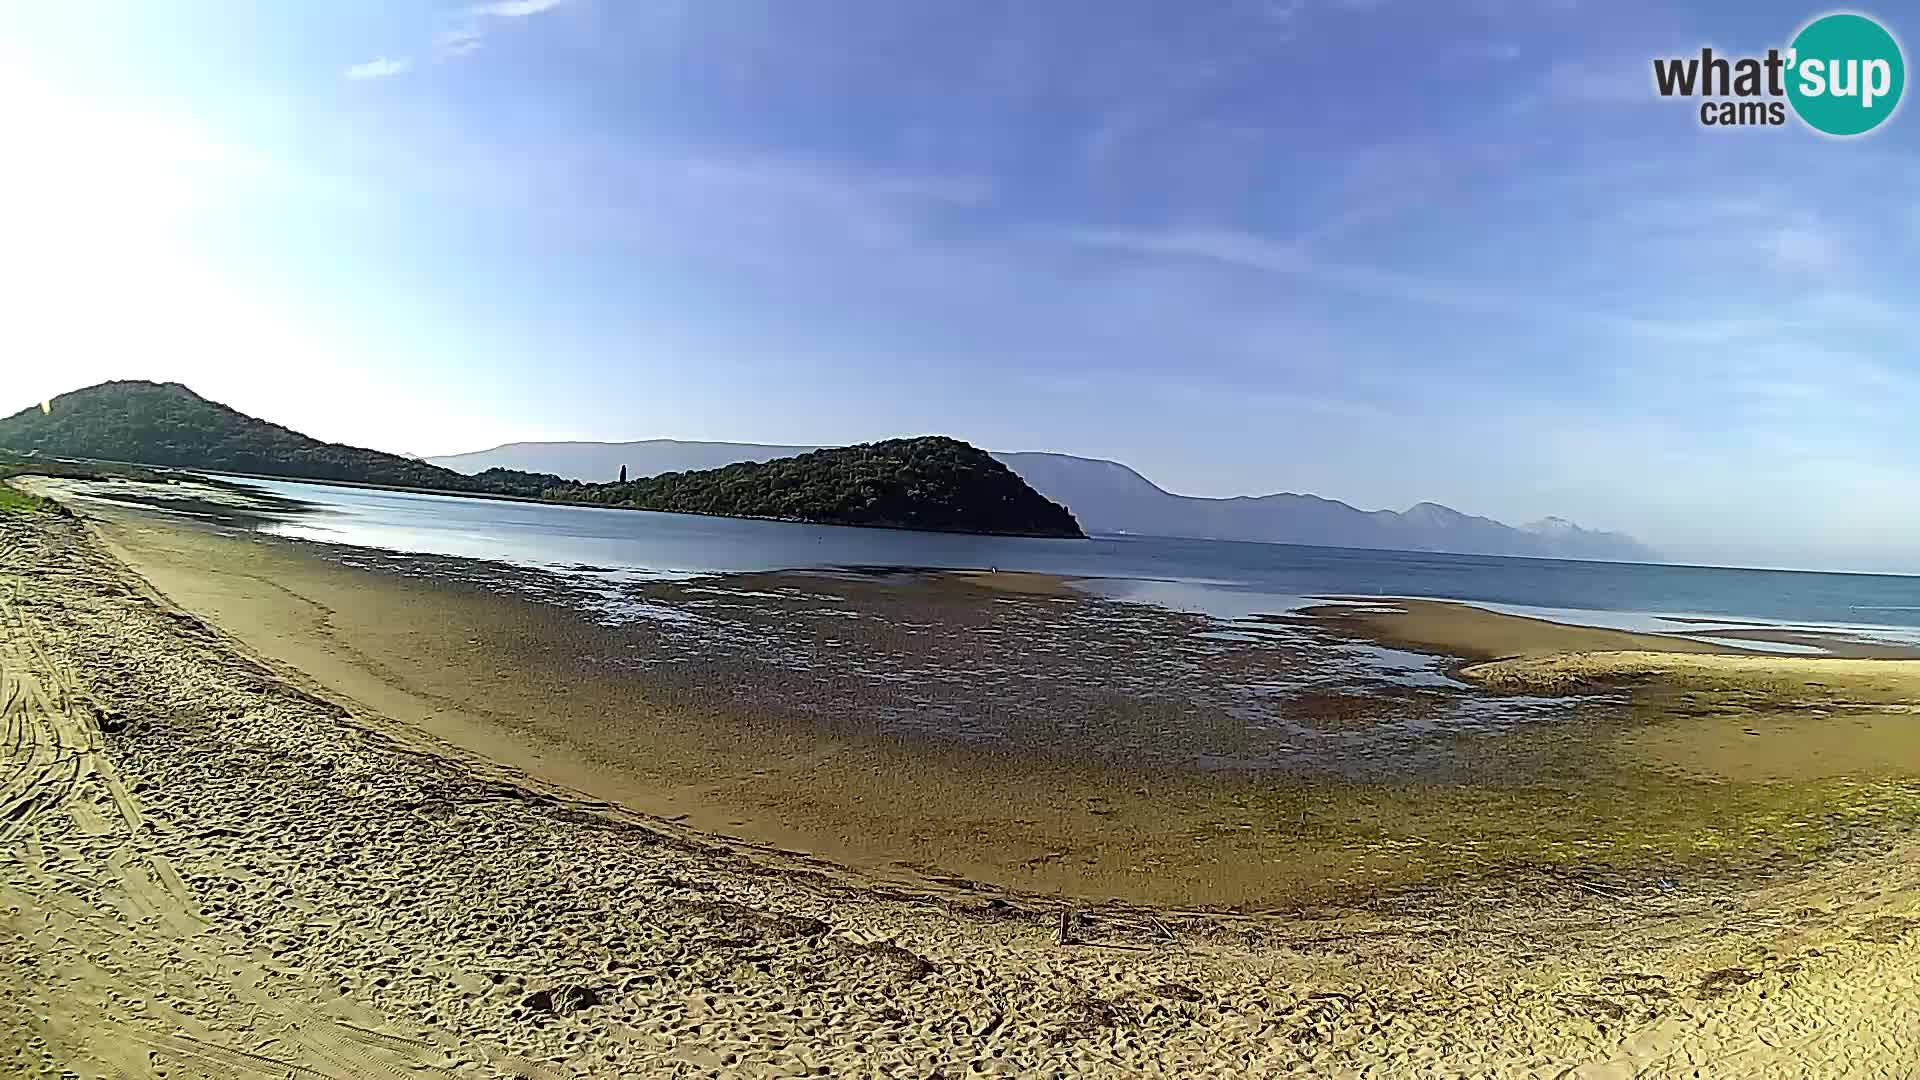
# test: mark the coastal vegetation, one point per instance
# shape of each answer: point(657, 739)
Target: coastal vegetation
point(12, 464)
point(925, 483)
point(12, 499)
point(19, 502)
point(930, 483)
point(167, 424)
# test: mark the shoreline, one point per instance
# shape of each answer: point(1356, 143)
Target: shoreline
point(321, 896)
point(1472, 633)
point(1732, 633)
point(505, 677)
point(222, 478)
point(498, 496)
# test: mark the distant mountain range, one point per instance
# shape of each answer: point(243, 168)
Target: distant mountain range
point(1109, 497)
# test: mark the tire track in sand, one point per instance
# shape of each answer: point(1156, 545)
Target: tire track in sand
point(106, 960)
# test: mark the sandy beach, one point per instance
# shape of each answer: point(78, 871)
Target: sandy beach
point(1462, 630)
point(830, 755)
point(272, 815)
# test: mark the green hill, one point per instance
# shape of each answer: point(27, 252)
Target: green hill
point(168, 424)
point(931, 482)
point(926, 483)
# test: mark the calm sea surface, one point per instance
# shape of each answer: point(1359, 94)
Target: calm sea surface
point(1221, 578)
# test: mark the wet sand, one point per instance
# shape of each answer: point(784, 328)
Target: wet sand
point(1018, 581)
point(1462, 630)
point(1747, 718)
point(829, 760)
point(220, 868)
point(516, 681)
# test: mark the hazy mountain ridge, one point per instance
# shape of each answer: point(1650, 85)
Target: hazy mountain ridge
point(1108, 496)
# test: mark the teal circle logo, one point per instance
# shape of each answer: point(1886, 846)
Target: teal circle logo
point(1846, 74)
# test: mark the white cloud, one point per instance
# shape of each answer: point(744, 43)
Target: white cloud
point(459, 41)
point(785, 204)
point(1764, 229)
point(1280, 12)
point(381, 68)
point(465, 38)
point(1252, 252)
point(1249, 251)
point(826, 184)
point(514, 9)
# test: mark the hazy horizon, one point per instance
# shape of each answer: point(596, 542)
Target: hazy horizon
point(1666, 558)
point(1373, 250)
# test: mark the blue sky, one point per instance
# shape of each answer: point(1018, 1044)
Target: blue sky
point(1376, 249)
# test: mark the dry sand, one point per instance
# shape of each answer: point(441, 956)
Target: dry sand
point(215, 871)
point(1883, 681)
point(1749, 718)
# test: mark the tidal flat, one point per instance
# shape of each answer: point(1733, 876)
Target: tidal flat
point(275, 808)
point(1013, 732)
